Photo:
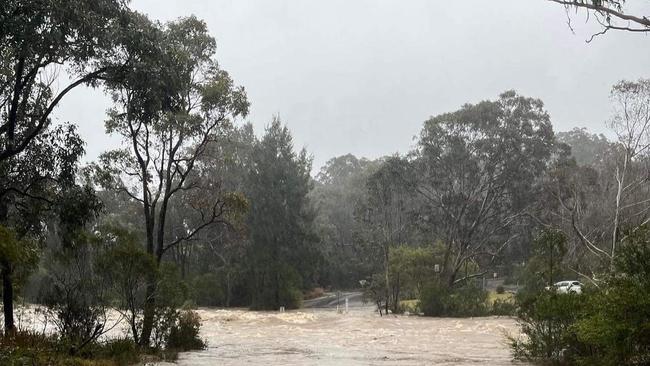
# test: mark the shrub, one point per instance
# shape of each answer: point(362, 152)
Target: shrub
point(75, 295)
point(503, 308)
point(439, 300)
point(433, 300)
point(616, 323)
point(123, 351)
point(184, 335)
point(547, 323)
point(411, 306)
point(500, 290)
point(30, 348)
point(314, 293)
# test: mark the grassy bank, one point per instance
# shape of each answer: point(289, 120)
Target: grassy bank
point(28, 348)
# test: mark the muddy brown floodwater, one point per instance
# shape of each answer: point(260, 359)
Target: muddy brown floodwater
point(360, 337)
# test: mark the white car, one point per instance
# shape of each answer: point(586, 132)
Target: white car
point(567, 287)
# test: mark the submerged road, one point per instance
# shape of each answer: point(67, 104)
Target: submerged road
point(332, 299)
point(318, 335)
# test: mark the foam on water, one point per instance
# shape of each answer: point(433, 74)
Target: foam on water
point(325, 337)
point(361, 337)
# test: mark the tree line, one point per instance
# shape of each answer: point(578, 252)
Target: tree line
point(193, 208)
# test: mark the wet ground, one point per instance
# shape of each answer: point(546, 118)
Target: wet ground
point(321, 336)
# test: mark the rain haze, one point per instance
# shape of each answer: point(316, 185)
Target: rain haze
point(360, 77)
point(405, 183)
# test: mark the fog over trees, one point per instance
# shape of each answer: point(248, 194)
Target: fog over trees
point(192, 208)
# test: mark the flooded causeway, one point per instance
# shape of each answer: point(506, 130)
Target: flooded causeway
point(360, 337)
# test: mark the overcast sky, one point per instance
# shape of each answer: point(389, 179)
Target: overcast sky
point(360, 76)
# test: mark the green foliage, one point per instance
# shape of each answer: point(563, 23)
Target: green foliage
point(207, 290)
point(283, 253)
point(27, 348)
point(477, 167)
point(184, 336)
point(439, 300)
point(547, 318)
point(76, 294)
point(21, 254)
point(276, 285)
point(546, 266)
point(126, 269)
point(500, 289)
point(171, 290)
point(548, 326)
point(171, 293)
point(413, 267)
point(616, 321)
point(503, 307)
point(339, 190)
point(409, 270)
point(586, 148)
point(38, 35)
point(603, 326)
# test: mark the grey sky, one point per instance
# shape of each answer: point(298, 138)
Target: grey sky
point(361, 76)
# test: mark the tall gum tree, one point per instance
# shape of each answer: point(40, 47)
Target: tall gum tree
point(39, 39)
point(168, 107)
point(477, 166)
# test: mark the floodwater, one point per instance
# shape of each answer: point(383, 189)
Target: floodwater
point(359, 337)
point(322, 336)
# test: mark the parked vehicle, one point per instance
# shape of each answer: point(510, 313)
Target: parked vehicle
point(567, 287)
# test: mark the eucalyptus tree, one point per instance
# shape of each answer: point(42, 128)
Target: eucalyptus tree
point(386, 214)
point(631, 123)
point(477, 170)
point(40, 188)
point(169, 105)
point(587, 148)
point(339, 190)
point(37, 39)
point(610, 14)
point(611, 193)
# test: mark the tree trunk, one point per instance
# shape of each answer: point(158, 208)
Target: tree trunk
point(620, 179)
point(148, 313)
point(7, 298)
point(228, 290)
point(386, 265)
point(7, 281)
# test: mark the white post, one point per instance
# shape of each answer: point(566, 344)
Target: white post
point(346, 304)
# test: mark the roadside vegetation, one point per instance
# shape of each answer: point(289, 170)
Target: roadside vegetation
point(192, 208)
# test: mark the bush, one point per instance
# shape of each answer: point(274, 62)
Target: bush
point(184, 335)
point(30, 348)
point(616, 323)
point(123, 351)
point(547, 323)
point(314, 293)
point(503, 308)
point(500, 290)
point(433, 300)
point(75, 295)
point(439, 300)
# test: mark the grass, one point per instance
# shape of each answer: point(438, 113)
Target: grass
point(413, 306)
point(493, 296)
point(28, 348)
